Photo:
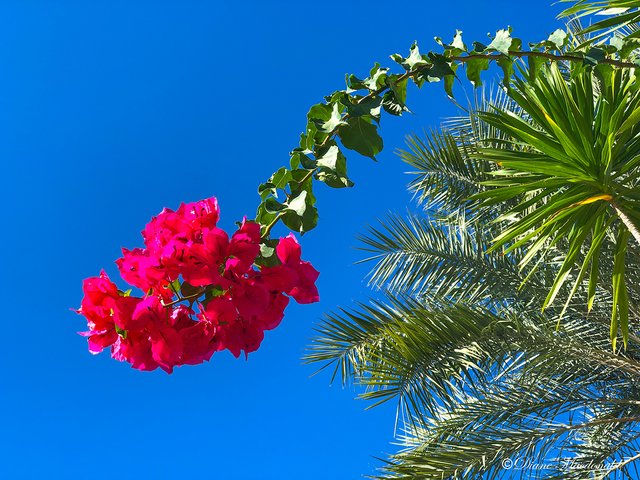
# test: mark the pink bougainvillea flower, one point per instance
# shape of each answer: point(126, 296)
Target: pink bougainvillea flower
point(241, 336)
point(100, 296)
point(305, 290)
point(136, 350)
point(201, 214)
point(123, 313)
point(99, 339)
point(295, 277)
point(203, 263)
point(272, 316)
point(220, 311)
point(161, 229)
point(166, 347)
point(142, 270)
point(188, 258)
point(150, 312)
point(200, 343)
point(243, 249)
point(250, 298)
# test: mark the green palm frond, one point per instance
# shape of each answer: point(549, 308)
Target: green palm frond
point(468, 330)
point(619, 14)
point(447, 259)
point(480, 388)
point(399, 349)
point(447, 174)
point(472, 128)
point(572, 386)
point(579, 174)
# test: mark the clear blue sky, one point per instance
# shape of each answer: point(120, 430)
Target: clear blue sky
point(111, 110)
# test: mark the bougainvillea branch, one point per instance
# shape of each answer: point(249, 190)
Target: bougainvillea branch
point(348, 118)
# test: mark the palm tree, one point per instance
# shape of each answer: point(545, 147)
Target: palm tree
point(457, 337)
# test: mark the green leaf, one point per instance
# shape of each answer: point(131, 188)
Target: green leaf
point(312, 136)
point(501, 42)
point(175, 286)
point(457, 42)
point(619, 292)
point(273, 206)
point(412, 61)
point(558, 38)
point(281, 177)
point(440, 68)
point(535, 65)
point(594, 56)
point(478, 47)
point(267, 257)
point(333, 168)
point(298, 204)
point(333, 121)
point(474, 67)
point(362, 136)
point(266, 250)
point(301, 180)
point(325, 117)
point(277, 181)
point(304, 223)
point(377, 77)
point(299, 158)
point(506, 64)
point(364, 106)
point(120, 331)
point(449, 80)
point(266, 189)
point(399, 88)
point(375, 80)
point(394, 99)
point(455, 48)
point(264, 217)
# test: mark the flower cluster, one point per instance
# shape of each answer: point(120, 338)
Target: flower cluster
point(204, 291)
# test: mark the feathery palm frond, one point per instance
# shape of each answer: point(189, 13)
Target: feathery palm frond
point(447, 174)
point(445, 259)
point(479, 388)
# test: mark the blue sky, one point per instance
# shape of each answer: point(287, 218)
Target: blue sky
point(110, 111)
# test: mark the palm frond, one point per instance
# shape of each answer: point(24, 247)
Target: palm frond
point(620, 15)
point(447, 174)
point(584, 148)
point(447, 259)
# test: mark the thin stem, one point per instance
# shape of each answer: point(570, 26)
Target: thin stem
point(268, 228)
point(548, 56)
point(308, 175)
point(188, 297)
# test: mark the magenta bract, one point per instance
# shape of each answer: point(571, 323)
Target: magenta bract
point(188, 259)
